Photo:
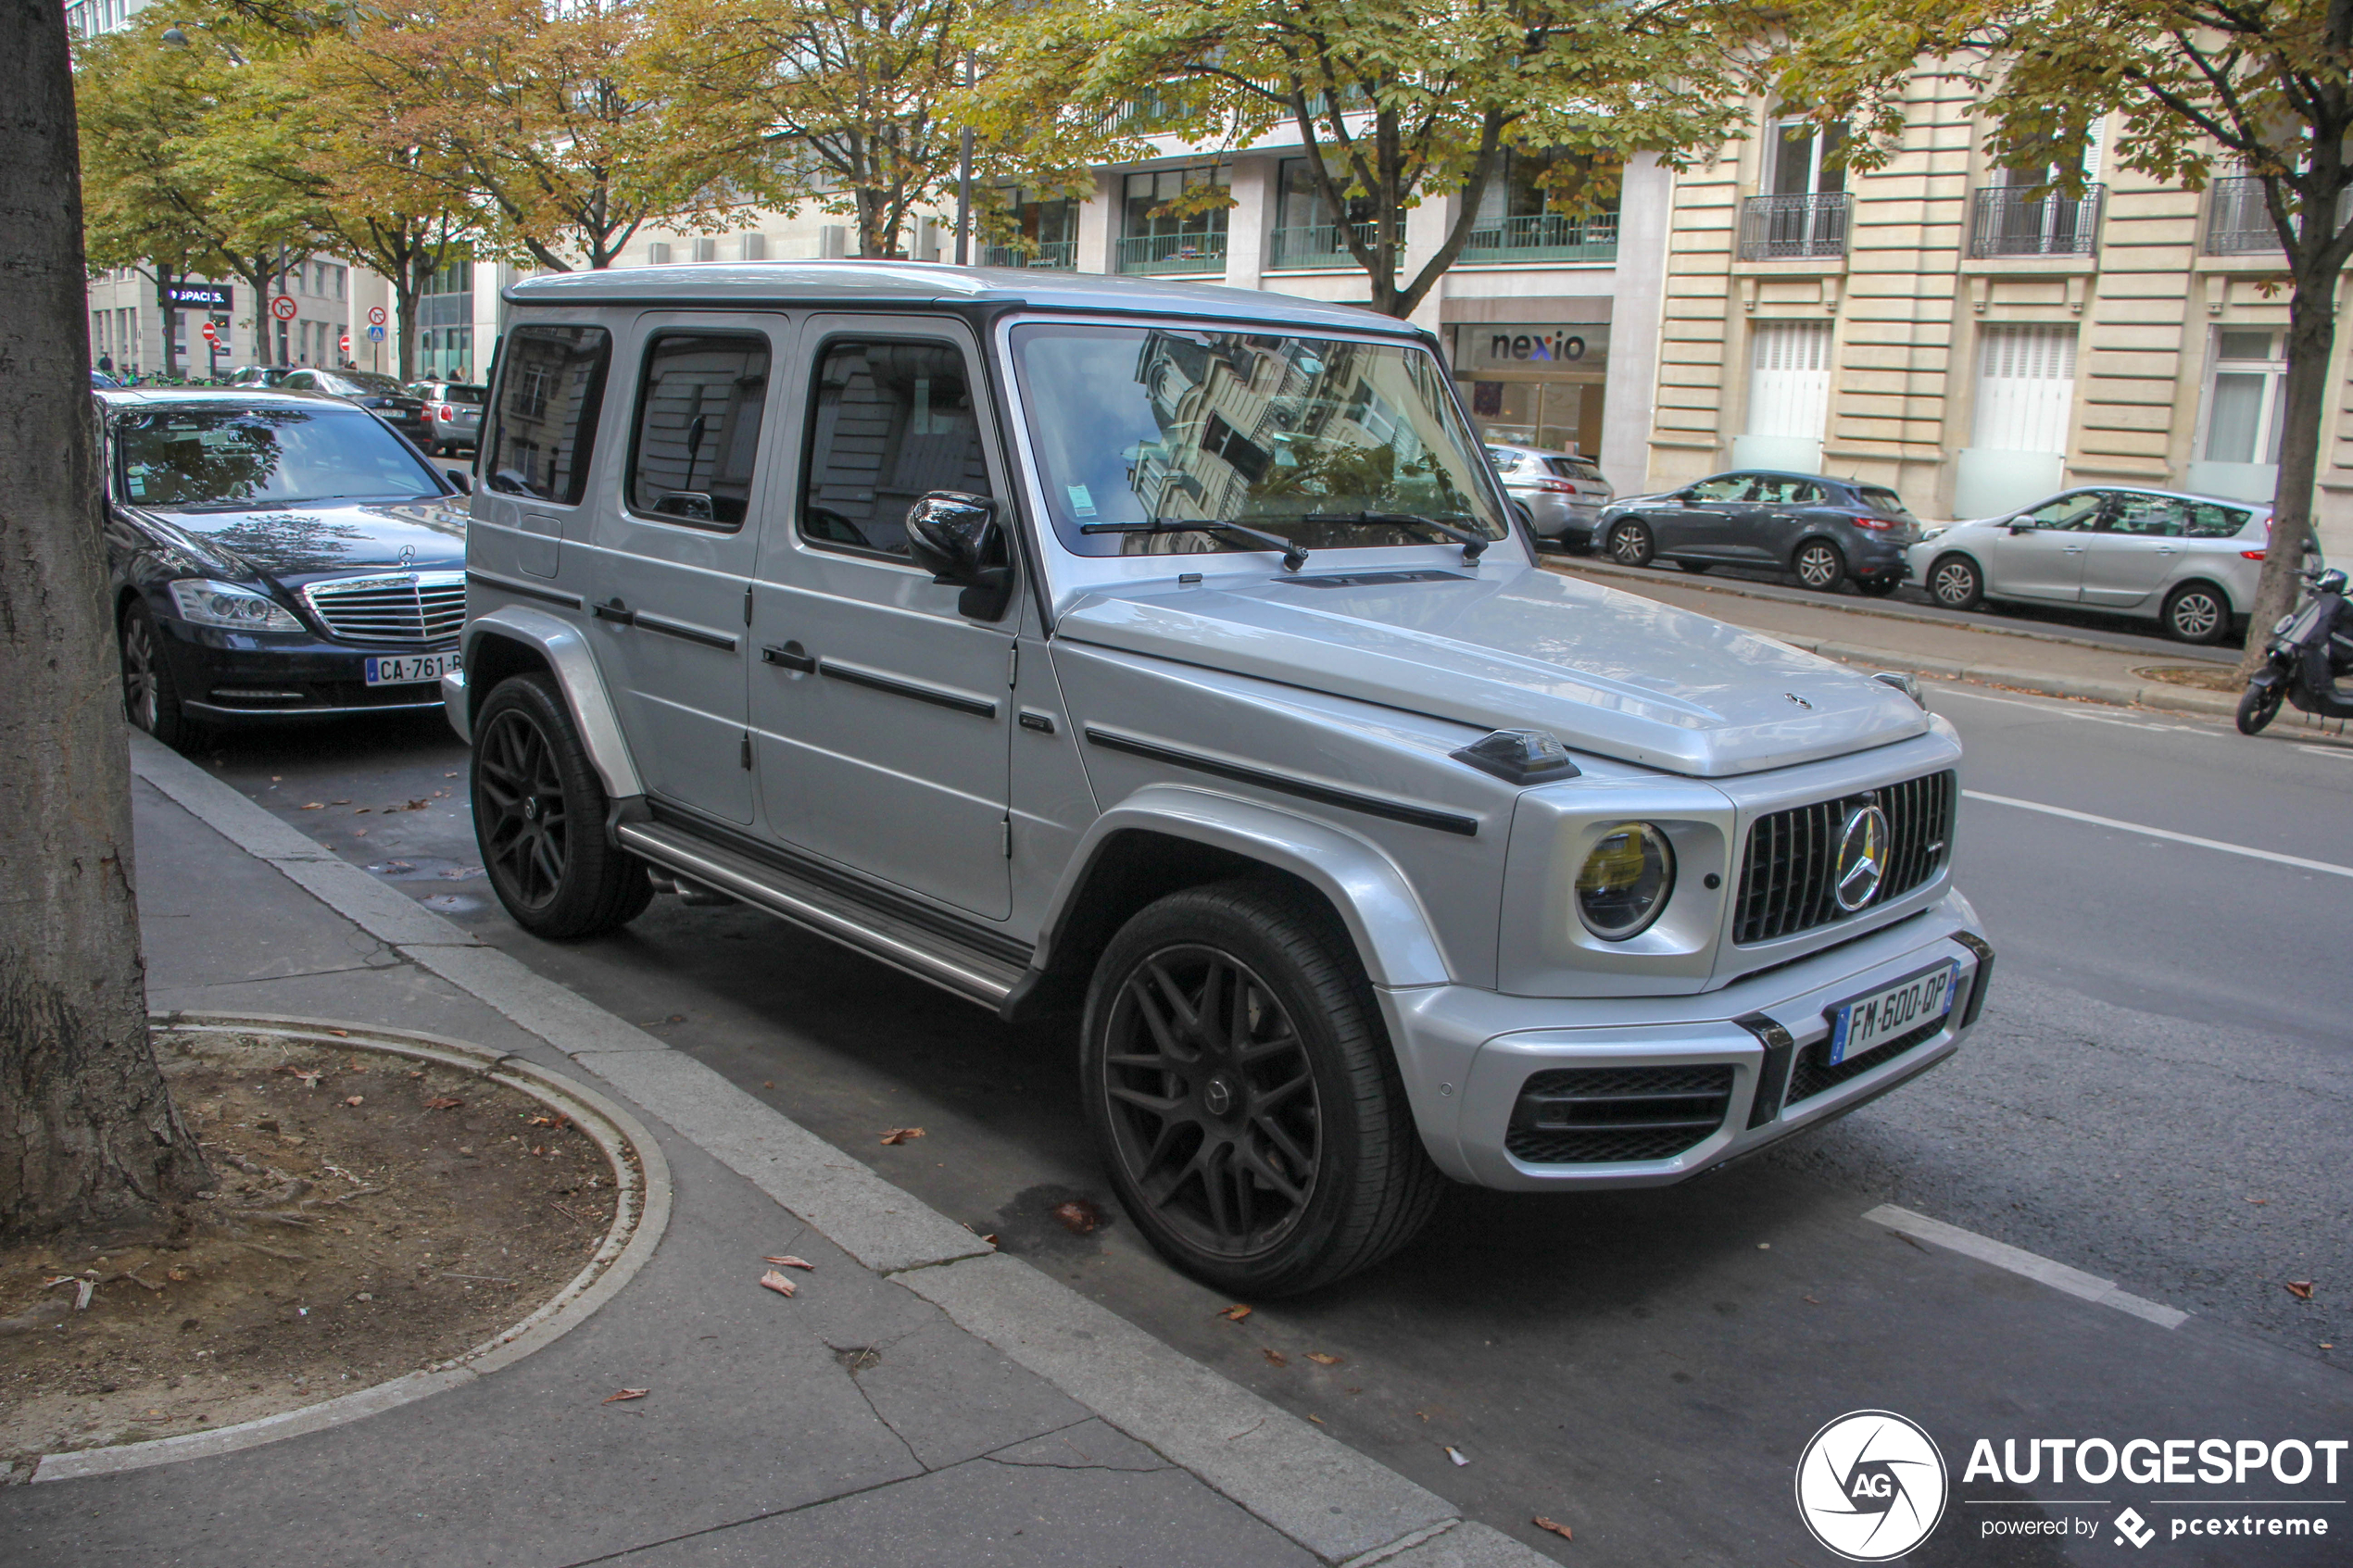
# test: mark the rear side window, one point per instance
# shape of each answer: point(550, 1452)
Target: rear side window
point(1572, 467)
point(1887, 503)
point(890, 423)
point(552, 383)
point(699, 405)
point(2211, 522)
point(2155, 516)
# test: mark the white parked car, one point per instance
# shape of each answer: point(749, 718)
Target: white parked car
point(2189, 563)
point(1564, 493)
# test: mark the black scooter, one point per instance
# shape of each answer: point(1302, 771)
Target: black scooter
point(2310, 649)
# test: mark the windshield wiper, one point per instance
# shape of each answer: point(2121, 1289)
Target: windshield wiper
point(1295, 556)
point(1473, 544)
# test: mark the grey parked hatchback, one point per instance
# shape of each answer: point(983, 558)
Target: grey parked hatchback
point(1825, 531)
point(1161, 662)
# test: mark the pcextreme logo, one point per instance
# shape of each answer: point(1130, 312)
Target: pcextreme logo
point(1870, 1485)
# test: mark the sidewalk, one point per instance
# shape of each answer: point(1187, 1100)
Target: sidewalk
point(1857, 632)
point(923, 1400)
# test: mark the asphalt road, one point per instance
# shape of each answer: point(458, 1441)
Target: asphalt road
point(2159, 1096)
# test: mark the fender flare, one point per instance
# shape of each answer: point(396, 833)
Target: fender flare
point(1375, 901)
point(573, 664)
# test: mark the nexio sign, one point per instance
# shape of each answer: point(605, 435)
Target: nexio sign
point(1506, 347)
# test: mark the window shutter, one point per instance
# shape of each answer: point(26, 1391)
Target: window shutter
point(1789, 381)
point(2025, 389)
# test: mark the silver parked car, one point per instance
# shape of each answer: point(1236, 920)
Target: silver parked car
point(2188, 562)
point(1563, 491)
point(1161, 659)
point(453, 415)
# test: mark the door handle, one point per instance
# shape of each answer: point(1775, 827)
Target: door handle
point(613, 609)
point(792, 656)
point(2073, 549)
point(2168, 549)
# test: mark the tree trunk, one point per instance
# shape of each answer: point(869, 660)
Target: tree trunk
point(89, 1137)
point(408, 282)
point(2311, 338)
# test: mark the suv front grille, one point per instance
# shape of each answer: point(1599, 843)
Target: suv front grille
point(1788, 877)
point(1587, 1115)
point(413, 606)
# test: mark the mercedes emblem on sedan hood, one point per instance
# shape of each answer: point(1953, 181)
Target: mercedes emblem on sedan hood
point(1862, 857)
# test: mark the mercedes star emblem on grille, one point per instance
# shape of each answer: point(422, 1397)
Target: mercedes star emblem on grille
point(1862, 857)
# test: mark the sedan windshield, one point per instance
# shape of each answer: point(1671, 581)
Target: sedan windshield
point(1316, 442)
point(219, 460)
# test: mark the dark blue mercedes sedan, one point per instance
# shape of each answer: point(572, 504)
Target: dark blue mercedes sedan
point(275, 558)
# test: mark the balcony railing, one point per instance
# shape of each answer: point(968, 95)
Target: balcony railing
point(1319, 245)
point(1777, 228)
point(1545, 236)
point(2011, 221)
point(1174, 253)
point(1060, 254)
point(2237, 223)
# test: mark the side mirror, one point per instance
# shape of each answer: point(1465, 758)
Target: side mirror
point(2018, 525)
point(953, 535)
point(461, 479)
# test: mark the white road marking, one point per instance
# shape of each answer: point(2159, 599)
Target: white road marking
point(2059, 707)
point(2296, 860)
point(2002, 1255)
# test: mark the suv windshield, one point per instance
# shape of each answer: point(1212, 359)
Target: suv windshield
point(1294, 437)
point(196, 459)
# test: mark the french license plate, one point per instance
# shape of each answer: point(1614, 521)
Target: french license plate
point(401, 669)
point(1867, 1021)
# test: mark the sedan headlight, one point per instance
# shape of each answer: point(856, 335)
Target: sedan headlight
point(224, 604)
point(1625, 881)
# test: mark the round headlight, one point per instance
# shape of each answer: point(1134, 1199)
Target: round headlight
point(1624, 883)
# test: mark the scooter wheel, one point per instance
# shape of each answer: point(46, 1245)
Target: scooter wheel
point(2257, 707)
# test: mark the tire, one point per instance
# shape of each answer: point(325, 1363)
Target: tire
point(2259, 707)
point(150, 693)
point(1697, 568)
point(1820, 566)
point(539, 819)
point(1292, 1163)
point(2197, 612)
point(1629, 544)
point(1955, 582)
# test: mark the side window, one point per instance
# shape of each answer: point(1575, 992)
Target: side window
point(891, 422)
point(299, 382)
point(2070, 513)
point(2153, 517)
point(1728, 489)
point(1804, 495)
point(552, 383)
point(2211, 522)
point(699, 404)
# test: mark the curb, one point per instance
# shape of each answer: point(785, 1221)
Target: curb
point(641, 1215)
point(1335, 1502)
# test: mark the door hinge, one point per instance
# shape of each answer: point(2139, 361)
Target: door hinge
point(1013, 665)
point(1009, 838)
point(745, 754)
point(747, 603)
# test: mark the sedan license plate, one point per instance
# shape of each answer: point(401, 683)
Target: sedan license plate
point(401, 669)
point(1870, 1022)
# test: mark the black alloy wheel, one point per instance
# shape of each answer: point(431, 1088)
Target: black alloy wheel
point(2198, 613)
point(1629, 544)
point(1955, 582)
point(150, 695)
point(2260, 706)
point(539, 819)
point(1243, 1094)
point(1820, 566)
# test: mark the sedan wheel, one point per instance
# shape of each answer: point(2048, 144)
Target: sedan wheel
point(150, 696)
point(2198, 613)
point(1820, 566)
point(1630, 545)
point(1954, 583)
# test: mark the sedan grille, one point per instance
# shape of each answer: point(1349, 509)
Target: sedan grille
point(1788, 879)
point(411, 606)
point(1588, 1115)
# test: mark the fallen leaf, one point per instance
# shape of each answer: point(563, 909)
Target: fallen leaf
point(359, 832)
point(309, 1075)
point(2259, 1201)
point(361, 810)
point(177, 1276)
point(625, 1394)
point(417, 805)
point(352, 1099)
point(1553, 1526)
point(1274, 1358)
point(558, 1122)
point(1235, 1313)
point(81, 1289)
point(316, 806)
point(1322, 1360)
point(416, 1072)
point(1318, 1420)
point(1077, 1216)
point(902, 1135)
point(443, 1102)
point(1810, 1301)
point(2300, 1288)
point(789, 1261)
point(338, 802)
point(778, 1283)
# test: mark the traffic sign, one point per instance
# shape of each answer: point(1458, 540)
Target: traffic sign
point(375, 315)
point(343, 344)
point(375, 334)
point(283, 307)
point(211, 333)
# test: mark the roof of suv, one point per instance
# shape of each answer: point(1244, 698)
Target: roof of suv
point(855, 285)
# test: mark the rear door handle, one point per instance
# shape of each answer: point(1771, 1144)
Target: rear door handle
point(2073, 549)
point(792, 656)
point(613, 609)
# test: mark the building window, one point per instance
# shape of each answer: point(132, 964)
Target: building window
point(1036, 231)
point(2244, 392)
point(1155, 239)
point(657, 254)
point(1789, 396)
point(445, 324)
point(1532, 210)
point(706, 248)
point(755, 247)
point(2025, 389)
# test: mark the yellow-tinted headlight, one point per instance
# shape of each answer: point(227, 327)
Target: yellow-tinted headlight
point(1625, 881)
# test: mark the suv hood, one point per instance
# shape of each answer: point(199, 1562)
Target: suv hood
point(1519, 648)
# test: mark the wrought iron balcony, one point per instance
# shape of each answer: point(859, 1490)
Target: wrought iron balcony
point(1778, 228)
point(2237, 223)
point(1545, 236)
point(1174, 253)
point(1059, 255)
point(2012, 220)
point(1320, 245)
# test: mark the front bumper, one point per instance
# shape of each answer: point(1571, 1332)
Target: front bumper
point(1467, 1055)
point(238, 678)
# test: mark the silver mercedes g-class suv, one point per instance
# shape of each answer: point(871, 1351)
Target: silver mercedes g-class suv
point(1170, 658)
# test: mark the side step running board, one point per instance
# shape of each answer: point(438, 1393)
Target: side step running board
point(901, 944)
